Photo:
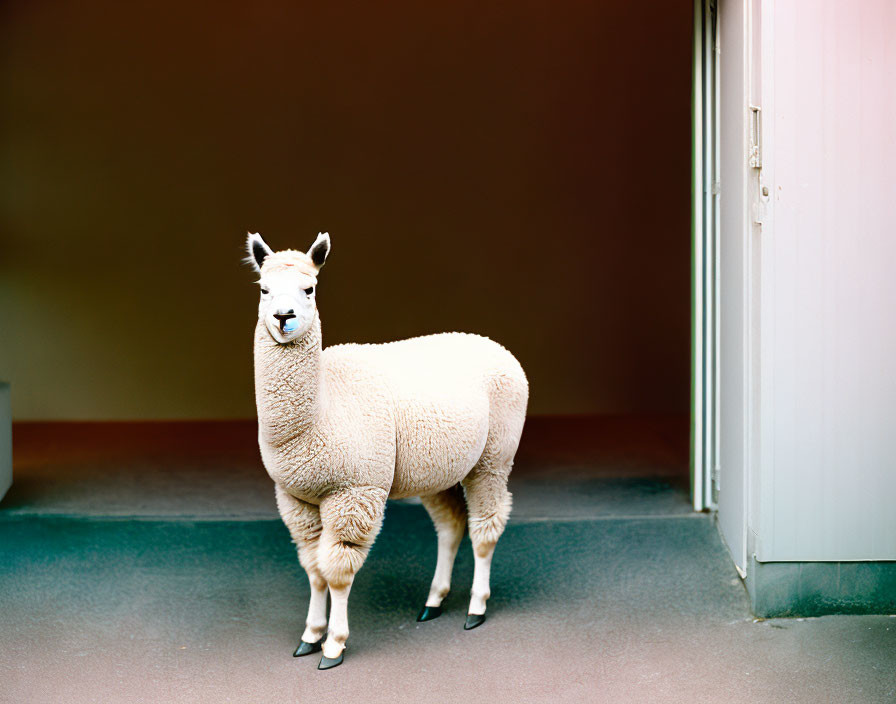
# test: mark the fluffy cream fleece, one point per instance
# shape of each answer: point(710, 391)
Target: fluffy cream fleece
point(342, 429)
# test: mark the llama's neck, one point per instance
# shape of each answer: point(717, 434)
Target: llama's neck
point(287, 384)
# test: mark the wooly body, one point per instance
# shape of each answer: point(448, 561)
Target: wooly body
point(343, 429)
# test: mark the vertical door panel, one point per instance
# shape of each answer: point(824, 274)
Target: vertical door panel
point(734, 262)
point(828, 474)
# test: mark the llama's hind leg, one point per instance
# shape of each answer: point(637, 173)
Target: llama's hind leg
point(449, 514)
point(351, 520)
point(488, 506)
point(304, 524)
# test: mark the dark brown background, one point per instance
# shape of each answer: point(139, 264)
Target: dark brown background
point(518, 169)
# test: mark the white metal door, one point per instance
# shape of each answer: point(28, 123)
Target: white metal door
point(806, 258)
point(825, 485)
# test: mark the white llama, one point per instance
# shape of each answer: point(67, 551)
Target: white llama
point(342, 430)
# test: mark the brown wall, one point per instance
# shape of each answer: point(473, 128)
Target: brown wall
point(518, 169)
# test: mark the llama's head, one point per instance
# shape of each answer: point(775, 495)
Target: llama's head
point(288, 285)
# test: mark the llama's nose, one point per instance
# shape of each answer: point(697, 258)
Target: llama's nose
point(283, 316)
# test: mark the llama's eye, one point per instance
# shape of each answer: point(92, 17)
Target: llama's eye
point(309, 291)
point(264, 292)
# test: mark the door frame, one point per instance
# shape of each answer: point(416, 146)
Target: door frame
point(728, 259)
point(704, 457)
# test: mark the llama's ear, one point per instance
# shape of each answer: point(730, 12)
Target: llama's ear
point(320, 249)
point(257, 249)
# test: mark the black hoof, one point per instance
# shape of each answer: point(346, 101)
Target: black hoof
point(474, 620)
point(326, 663)
point(307, 648)
point(428, 613)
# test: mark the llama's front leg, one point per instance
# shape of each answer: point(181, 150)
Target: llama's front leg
point(316, 622)
point(304, 524)
point(351, 520)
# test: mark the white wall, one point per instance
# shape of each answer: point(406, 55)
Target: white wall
point(825, 484)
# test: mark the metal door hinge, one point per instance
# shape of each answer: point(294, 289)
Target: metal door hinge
point(755, 137)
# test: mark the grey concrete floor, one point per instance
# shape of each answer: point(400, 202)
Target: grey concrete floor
point(126, 575)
